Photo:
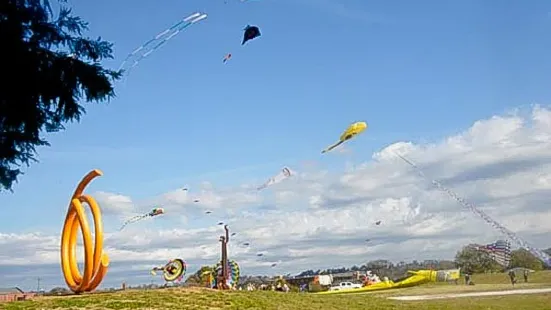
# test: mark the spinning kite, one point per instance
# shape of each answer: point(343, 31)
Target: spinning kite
point(350, 132)
point(282, 176)
point(152, 213)
point(207, 276)
point(233, 270)
point(174, 270)
point(251, 32)
point(159, 40)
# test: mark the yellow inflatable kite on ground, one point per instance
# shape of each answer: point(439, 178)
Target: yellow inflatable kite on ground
point(350, 132)
point(416, 278)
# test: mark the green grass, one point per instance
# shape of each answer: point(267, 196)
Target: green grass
point(212, 300)
point(483, 282)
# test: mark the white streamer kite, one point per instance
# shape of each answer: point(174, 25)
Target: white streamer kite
point(280, 177)
point(511, 235)
point(159, 40)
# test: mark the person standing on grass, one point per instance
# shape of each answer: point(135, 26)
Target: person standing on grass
point(513, 277)
point(467, 279)
point(525, 275)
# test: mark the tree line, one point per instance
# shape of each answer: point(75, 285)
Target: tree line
point(468, 259)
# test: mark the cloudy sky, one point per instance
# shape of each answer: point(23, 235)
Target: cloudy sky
point(320, 218)
point(420, 74)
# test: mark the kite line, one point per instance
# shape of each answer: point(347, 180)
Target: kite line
point(520, 242)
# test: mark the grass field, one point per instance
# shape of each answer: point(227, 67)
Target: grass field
point(194, 298)
point(484, 282)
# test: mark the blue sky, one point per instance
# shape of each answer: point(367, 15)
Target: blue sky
point(417, 70)
point(411, 70)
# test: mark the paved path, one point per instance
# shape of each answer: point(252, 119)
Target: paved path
point(474, 294)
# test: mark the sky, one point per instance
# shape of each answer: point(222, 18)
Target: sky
point(461, 88)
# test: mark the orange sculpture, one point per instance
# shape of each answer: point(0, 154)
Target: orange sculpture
point(95, 261)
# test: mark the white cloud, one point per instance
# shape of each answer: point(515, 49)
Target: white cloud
point(115, 204)
point(319, 219)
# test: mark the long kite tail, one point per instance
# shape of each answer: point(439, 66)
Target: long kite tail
point(511, 235)
point(161, 38)
point(333, 146)
point(133, 220)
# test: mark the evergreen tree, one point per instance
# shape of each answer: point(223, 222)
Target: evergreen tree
point(48, 70)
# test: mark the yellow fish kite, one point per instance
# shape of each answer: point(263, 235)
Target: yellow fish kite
point(350, 132)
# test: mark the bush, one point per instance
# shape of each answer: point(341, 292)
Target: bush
point(315, 287)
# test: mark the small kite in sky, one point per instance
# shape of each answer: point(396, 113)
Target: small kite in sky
point(350, 132)
point(251, 32)
point(281, 176)
point(226, 58)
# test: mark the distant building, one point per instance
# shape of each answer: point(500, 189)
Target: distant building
point(14, 294)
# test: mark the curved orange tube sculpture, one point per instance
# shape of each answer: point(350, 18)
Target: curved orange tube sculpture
point(95, 261)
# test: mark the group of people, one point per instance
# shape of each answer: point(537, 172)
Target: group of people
point(267, 287)
point(512, 276)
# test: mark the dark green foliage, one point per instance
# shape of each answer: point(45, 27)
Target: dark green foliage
point(48, 69)
point(473, 261)
point(525, 259)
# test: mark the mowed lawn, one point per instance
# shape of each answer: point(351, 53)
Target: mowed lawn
point(195, 298)
point(483, 282)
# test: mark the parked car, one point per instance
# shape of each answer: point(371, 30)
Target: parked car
point(345, 286)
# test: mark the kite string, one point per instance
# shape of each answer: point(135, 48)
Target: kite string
point(522, 243)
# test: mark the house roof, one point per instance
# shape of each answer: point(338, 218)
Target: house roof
point(10, 290)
